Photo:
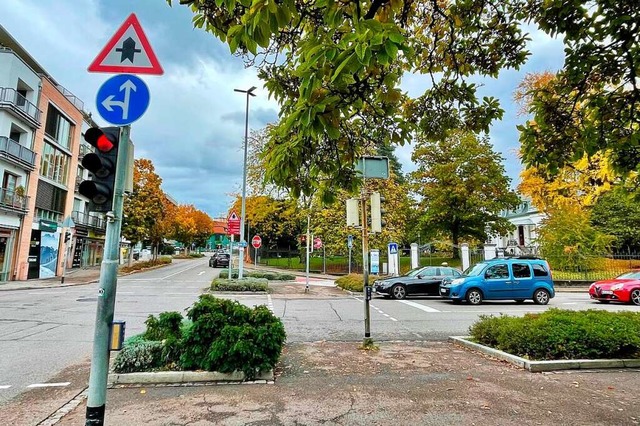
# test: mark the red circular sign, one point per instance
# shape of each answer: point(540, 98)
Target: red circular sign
point(317, 243)
point(256, 241)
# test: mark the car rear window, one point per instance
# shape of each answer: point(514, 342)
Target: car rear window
point(226, 256)
point(539, 270)
point(521, 270)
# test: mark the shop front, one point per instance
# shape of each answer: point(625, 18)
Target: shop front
point(44, 250)
point(88, 249)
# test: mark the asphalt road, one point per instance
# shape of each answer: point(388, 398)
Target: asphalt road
point(46, 335)
point(43, 331)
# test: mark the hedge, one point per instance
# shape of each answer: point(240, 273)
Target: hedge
point(562, 334)
point(145, 264)
point(269, 275)
point(219, 335)
point(234, 284)
point(353, 282)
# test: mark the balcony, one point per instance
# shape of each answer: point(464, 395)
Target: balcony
point(85, 149)
point(19, 105)
point(87, 220)
point(17, 154)
point(11, 201)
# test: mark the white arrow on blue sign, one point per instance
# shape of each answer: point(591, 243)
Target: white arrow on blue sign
point(122, 99)
point(393, 248)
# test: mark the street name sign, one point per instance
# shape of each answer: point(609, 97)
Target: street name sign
point(122, 99)
point(128, 51)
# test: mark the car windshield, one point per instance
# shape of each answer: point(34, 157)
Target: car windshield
point(414, 272)
point(631, 275)
point(474, 270)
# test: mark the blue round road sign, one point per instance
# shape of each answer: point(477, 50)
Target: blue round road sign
point(122, 99)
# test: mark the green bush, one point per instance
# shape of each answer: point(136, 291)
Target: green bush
point(234, 284)
point(225, 273)
point(563, 334)
point(353, 282)
point(146, 264)
point(226, 336)
point(166, 326)
point(269, 275)
point(138, 355)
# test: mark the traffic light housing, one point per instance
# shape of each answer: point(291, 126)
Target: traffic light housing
point(102, 166)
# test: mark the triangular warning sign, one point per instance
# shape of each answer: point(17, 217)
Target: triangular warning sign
point(128, 51)
point(233, 216)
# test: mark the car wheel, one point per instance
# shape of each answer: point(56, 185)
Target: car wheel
point(635, 296)
point(603, 301)
point(519, 300)
point(474, 296)
point(399, 292)
point(541, 297)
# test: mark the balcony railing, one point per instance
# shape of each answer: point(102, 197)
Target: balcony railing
point(11, 97)
point(12, 201)
point(85, 149)
point(85, 219)
point(18, 153)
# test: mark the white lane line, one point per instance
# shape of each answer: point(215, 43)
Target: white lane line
point(48, 385)
point(5, 386)
point(570, 303)
point(200, 273)
point(180, 272)
point(419, 306)
point(386, 315)
point(393, 319)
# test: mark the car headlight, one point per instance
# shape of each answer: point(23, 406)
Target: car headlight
point(457, 281)
point(617, 287)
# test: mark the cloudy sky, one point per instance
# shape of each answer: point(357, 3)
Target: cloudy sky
point(194, 127)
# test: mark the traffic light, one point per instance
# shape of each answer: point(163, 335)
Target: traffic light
point(376, 212)
point(102, 166)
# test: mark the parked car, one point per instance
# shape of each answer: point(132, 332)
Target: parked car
point(219, 260)
point(517, 278)
point(420, 281)
point(624, 288)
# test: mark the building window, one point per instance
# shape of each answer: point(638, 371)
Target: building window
point(50, 197)
point(9, 181)
point(54, 164)
point(58, 127)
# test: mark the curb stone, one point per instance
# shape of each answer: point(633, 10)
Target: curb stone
point(186, 377)
point(540, 366)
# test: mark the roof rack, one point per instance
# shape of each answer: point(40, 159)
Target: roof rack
point(521, 256)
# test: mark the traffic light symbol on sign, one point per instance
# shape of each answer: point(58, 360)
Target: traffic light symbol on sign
point(67, 236)
point(102, 166)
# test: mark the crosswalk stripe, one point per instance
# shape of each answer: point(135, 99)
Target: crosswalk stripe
point(5, 386)
point(419, 306)
point(47, 385)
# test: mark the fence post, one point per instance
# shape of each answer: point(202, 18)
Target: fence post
point(465, 256)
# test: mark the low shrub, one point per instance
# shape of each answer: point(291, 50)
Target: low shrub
point(226, 336)
point(165, 326)
point(234, 284)
point(352, 282)
point(138, 355)
point(269, 275)
point(188, 256)
point(562, 334)
point(145, 264)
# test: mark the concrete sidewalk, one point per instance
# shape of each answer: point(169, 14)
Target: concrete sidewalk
point(404, 383)
point(73, 277)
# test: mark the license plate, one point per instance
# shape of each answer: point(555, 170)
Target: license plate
point(443, 291)
point(606, 292)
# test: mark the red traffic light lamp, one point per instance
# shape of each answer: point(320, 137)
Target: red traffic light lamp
point(102, 166)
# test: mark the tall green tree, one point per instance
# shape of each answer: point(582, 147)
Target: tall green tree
point(617, 213)
point(462, 187)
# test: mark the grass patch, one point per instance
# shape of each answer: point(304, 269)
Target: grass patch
point(234, 284)
point(146, 264)
point(562, 334)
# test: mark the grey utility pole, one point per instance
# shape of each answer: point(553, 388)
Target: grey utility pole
point(97, 396)
point(365, 268)
point(244, 180)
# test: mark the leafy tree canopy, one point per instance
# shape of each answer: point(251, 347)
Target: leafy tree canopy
point(462, 187)
point(144, 207)
point(618, 214)
point(335, 69)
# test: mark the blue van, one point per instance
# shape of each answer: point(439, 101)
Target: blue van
point(517, 278)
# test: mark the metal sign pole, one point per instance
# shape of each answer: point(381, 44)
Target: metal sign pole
point(97, 396)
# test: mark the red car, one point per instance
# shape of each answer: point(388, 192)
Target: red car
point(625, 288)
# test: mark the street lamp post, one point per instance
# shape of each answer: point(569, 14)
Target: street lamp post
point(244, 177)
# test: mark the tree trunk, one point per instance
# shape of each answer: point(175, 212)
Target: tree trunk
point(455, 238)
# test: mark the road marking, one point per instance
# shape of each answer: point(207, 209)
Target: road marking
point(419, 306)
point(270, 303)
point(570, 303)
point(5, 386)
point(47, 385)
point(180, 272)
point(202, 272)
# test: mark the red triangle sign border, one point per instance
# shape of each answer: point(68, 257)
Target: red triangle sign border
point(131, 21)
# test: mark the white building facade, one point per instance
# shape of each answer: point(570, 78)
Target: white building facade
point(523, 239)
